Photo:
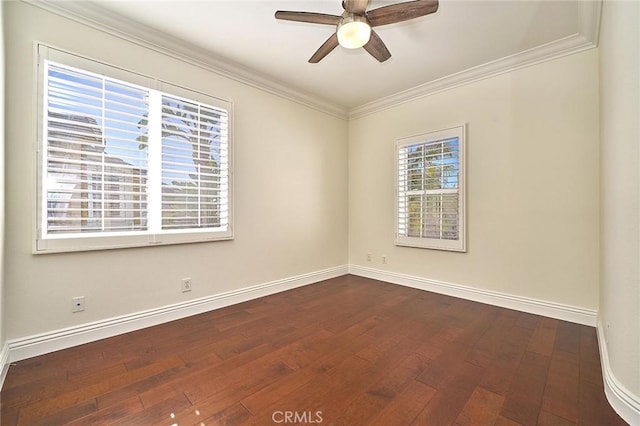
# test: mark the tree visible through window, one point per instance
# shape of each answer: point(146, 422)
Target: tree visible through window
point(429, 196)
point(191, 165)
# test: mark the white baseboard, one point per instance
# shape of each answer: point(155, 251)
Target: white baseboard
point(518, 303)
point(623, 401)
point(31, 346)
point(4, 363)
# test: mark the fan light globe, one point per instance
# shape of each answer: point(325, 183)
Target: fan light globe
point(353, 32)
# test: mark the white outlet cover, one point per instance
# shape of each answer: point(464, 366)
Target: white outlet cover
point(77, 304)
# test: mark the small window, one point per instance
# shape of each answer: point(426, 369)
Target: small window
point(430, 208)
point(128, 161)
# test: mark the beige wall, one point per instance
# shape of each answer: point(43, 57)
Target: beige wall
point(2, 181)
point(620, 161)
point(290, 194)
point(532, 183)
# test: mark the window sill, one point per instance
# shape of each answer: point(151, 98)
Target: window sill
point(81, 244)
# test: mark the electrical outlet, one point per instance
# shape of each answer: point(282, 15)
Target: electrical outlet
point(186, 285)
point(368, 257)
point(77, 304)
point(384, 259)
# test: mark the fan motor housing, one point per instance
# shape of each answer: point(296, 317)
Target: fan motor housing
point(353, 30)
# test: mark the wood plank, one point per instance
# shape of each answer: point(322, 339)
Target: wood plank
point(370, 403)
point(561, 395)
point(523, 400)
point(544, 337)
point(548, 419)
point(272, 394)
point(590, 357)
point(136, 387)
point(503, 421)
point(110, 414)
point(33, 392)
point(46, 407)
point(233, 415)
point(406, 406)
point(489, 345)
point(64, 415)
point(568, 337)
point(202, 372)
point(318, 394)
point(504, 364)
point(241, 381)
point(451, 396)
point(482, 408)
point(162, 412)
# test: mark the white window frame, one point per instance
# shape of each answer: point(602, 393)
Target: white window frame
point(401, 191)
point(44, 243)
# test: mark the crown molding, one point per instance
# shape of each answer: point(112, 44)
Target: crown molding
point(557, 49)
point(99, 18)
point(102, 19)
point(590, 12)
point(587, 38)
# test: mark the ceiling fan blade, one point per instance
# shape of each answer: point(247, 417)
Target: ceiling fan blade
point(401, 12)
point(355, 6)
point(311, 17)
point(377, 48)
point(325, 49)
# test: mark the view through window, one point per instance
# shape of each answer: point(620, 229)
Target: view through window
point(125, 164)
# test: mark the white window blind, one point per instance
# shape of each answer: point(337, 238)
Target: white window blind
point(430, 190)
point(127, 165)
point(194, 165)
point(96, 171)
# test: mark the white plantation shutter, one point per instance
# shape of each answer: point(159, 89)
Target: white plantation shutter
point(430, 190)
point(92, 186)
point(195, 165)
point(123, 165)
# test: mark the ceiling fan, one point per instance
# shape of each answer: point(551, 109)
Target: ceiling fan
point(354, 26)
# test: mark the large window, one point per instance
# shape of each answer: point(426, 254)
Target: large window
point(430, 190)
point(125, 160)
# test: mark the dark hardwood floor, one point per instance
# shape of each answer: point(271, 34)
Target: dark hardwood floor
point(347, 351)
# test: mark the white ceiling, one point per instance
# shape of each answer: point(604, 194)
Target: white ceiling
point(462, 38)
